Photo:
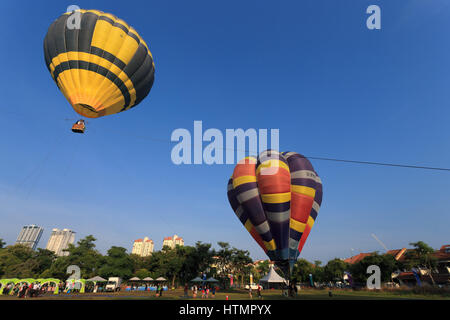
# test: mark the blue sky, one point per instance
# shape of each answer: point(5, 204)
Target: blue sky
point(310, 69)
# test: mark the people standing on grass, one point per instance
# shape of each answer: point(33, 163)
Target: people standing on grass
point(22, 290)
point(194, 291)
point(16, 289)
point(259, 291)
point(186, 289)
point(250, 292)
point(213, 291)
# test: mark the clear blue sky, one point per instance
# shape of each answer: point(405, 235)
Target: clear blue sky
point(309, 68)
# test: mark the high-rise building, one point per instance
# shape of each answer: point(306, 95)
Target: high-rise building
point(30, 236)
point(59, 240)
point(171, 242)
point(143, 247)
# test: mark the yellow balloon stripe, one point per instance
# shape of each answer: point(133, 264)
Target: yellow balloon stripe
point(297, 225)
point(243, 179)
point(270, 245)
point(307, 191)
point(276, 197)
point(248, 225)
point(273, 163)
point(310, 222)
point(84, 56)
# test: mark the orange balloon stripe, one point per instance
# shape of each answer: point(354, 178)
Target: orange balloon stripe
point(278, 183)
point(244, 170)
point(301, 206)
point(304, 237)
point(258, 238)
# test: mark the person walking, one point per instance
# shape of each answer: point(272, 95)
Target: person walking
point(29, 291)
point(23, 290)
point(250, 291)
point(195, 291)
point(259, 291)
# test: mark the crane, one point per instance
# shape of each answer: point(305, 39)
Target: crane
point(379, 241)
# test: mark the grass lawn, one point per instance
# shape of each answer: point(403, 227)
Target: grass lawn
point(305, 294)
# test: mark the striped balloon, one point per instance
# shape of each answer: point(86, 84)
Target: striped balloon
point(277, 198)
point(102, 65)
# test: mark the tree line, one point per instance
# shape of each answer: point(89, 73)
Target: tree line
point(183, 263)
point(178, 265)
point(421, 256)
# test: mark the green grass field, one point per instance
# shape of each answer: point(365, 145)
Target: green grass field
point(305, 294)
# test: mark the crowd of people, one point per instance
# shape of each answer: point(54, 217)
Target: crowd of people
point(25, 290)
point(36, 289)
point(258, 291)
point(205, 290)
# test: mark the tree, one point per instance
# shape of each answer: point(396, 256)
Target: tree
point(2, 243)
point(172, 261)
point(240, 261)
point(261, 270)
point(334, 270)
point(16, 262)
point(142, 273)
point(231, 261)
point(43, 260)
point(196, 260)
point(301, 271)
point(386, 263)
point(422, 257)
point(117, 263)
point(223, 262)
point(82, 255)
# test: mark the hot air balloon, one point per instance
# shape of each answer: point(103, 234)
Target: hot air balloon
point(276, 197)
point(101, 65)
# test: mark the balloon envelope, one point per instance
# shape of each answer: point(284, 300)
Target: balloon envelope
point(100, 63)
point(277, 197)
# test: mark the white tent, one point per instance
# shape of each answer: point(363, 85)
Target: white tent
point(273, 277)
point(97, 279)
point(135, 279)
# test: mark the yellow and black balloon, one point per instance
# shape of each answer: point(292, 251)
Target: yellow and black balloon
point(102, 65)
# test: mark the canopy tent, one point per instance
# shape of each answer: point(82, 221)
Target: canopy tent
point(147, 279)
point(197, 279)
point(97, 279)
point(135, 279)
point(212, 280)
point(161, 279)
point(273, 277)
